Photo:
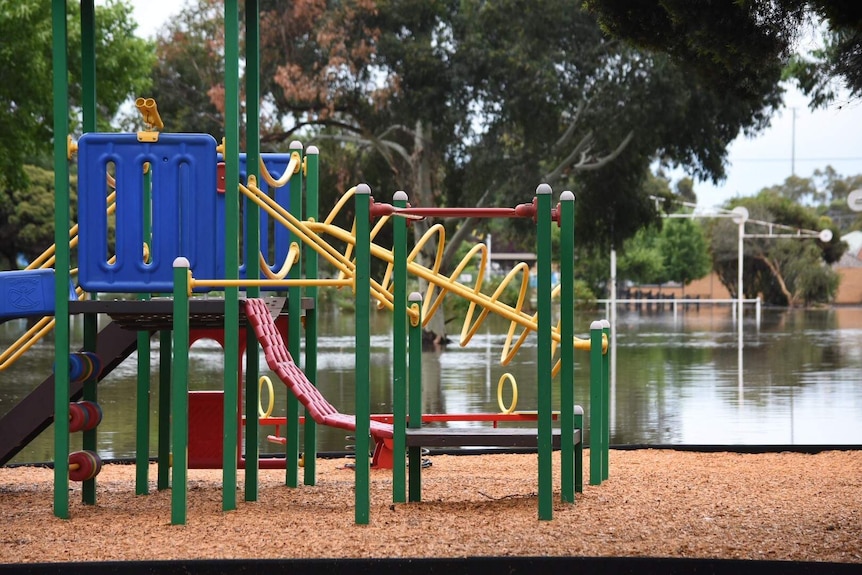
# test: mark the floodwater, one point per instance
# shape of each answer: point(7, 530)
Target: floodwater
point(675, 379)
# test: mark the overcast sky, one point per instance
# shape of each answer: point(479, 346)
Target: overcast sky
point(794, 143)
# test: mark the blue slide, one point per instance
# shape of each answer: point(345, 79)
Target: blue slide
point(28, 293)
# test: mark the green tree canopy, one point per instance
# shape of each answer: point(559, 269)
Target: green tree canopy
point(677, 252)
point(26, 105)
point(684, 247)
point(743, 48)
point(641, 261)
point(188, 77)
point(28, 217)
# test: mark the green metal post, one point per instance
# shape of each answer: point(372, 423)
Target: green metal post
point(543, 302)
point(180, 393)
point(164, 449)
point(294, 333)
point(88, 101)
point(567, 351)
point(606, 401)
point(89, 440)
point(61, 240)
point(231, 235)
point(414, 417)
point(88, 66)
point(596, 431)
point(312, 161)
point(252, 244)
point(362, 279)
point(142, 397)
point(399, 351)
point(579, 450)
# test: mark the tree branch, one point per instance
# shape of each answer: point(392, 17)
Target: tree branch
point(282, 136)
point(570, 131)
point(586, 164)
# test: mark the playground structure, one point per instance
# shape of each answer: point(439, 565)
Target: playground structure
point(177, 226)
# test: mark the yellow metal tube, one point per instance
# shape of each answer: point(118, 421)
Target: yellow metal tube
point(150, 112)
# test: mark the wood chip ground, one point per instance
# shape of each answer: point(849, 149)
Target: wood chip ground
point(657, 503)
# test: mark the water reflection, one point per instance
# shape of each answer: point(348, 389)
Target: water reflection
point(795, 381)
point(676, 380)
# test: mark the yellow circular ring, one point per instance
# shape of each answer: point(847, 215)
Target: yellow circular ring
point(260, 412)
point(511, 379)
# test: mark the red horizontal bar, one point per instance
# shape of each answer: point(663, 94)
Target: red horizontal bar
point(378, 209)
point(436, 417)
point(521, 211)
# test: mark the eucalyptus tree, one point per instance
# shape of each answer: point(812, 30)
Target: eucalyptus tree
point(476, 103)
point(785, 270)
point(188, 77)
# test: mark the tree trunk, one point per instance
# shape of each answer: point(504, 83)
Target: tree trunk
point(791, 299)
point(434, 333)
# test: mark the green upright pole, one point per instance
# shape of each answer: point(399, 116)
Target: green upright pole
point(142, 397)
point(567, 350)
point(165, 371)
point(543, 301)
point(180, 393)
point(61, 241)
point(414, 421)
point(88, 65)
point(231, 235)
point(312, 157)
point(294, 332)
point(252, 244)
point(606, 401)
point(596, 409)
point(88, 105)
point(399, 351)
point(579, 450)
point(362, 286)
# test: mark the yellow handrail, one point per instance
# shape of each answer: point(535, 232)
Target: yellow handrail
point(292, 168)
point(291, 258)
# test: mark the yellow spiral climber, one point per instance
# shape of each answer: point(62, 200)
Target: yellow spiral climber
point(314, 234)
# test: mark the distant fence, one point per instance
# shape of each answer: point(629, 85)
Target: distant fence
point(649, 302)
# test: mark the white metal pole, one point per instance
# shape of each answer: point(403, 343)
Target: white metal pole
point(740, 215)
point(739, 282)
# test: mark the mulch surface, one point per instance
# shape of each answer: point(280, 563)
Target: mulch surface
point(656, 503)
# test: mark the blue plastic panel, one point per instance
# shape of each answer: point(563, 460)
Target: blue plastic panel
point(26, 293)
point(183, 210)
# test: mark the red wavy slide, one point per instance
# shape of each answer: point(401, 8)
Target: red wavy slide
point(281, 363)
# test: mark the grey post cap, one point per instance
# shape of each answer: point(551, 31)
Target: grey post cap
point(414, 296)
point(363, 189)
point(543, 189)
point(181, 262)
point(578, 410)
point(567, 196)
point(312, 150)
point(295, 145)
point(596, 325)
point(400, 195)
point(606, 323)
